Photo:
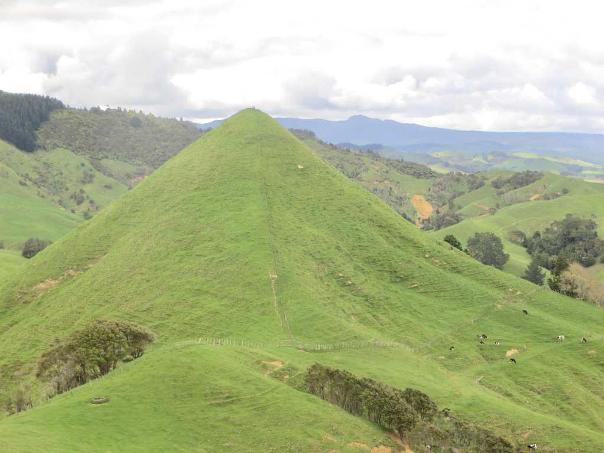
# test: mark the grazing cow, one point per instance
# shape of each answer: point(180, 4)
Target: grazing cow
point(482, 337)
point(560, 338)
point(532, 446)
point(583, 340)
point(451, 348)
point(481, 341)
point(446, 411)
point(497, 343)
point(513, 360)
point(525, 312)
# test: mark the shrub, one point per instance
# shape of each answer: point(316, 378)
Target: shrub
point(91, 352)
point(533, 273)
point(517, 237)
point(33, 246)
point(452, 240)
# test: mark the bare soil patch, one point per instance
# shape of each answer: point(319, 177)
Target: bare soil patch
point(422, 206)
point(511, 352)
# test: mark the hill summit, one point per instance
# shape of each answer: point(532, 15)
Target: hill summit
point(246, 253)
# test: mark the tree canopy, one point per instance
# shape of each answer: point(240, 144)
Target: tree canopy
point(488, 249)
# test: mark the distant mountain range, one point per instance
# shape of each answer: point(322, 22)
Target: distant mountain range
point(403, 137)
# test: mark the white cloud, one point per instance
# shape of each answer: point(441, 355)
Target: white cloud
point(466, 64)
point(582, 94)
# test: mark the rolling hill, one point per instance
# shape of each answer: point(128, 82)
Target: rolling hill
point(529, 212)
point(246, 252)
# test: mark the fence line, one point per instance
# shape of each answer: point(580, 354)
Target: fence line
point(308, 347)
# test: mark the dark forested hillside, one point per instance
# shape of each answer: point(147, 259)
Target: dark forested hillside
point(21, 115)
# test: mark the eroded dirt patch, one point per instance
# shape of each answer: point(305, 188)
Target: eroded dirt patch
point(422, 206)
point(381, 449)
point(50, 283)
point(359, 445)
point(44, 286)
point(272, 365)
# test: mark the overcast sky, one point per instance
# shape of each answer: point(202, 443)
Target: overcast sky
point(466, 64)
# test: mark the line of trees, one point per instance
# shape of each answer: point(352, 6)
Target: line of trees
point(409, 413)
point(391, 408)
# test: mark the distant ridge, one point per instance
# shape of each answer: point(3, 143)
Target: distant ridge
point(362, 130)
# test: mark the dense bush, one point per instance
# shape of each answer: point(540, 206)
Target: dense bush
point(92, 352)
point(387, 406)
point(572, 237)
point(452, 185)
point(488, 249)
point(515, 181)
point(440, 220)
point(21, 115)
point(413, 169)
point(33, 246)
point(117, 134)
point(19, 400)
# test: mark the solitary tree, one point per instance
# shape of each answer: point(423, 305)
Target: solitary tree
point(488, 249)
point(533, 273)
point(33, 246)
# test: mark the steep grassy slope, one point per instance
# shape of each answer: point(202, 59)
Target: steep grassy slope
point(247, 235)
point(10, 262)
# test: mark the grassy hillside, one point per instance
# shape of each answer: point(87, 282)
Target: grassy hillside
point(26, 210)
point(248, 237)
point(10, 262)
point(89, 158)
point(394, 181)
point(529, 212)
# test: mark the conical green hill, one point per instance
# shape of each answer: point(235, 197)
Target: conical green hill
point(248, 239)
